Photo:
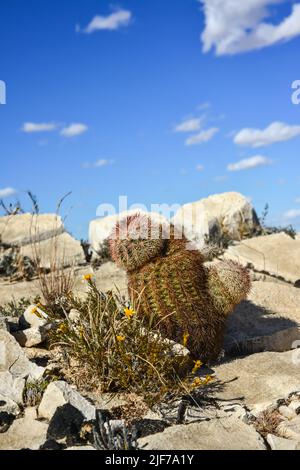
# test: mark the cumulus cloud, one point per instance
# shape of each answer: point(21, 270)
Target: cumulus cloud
point(249, 163)
point(7, 192)
point(275, 132)
point(189, 125)
point(233, 26)
point(203, 136)
point(74, 129)
point(112, 22)
point(30, 127)
point(292, 214)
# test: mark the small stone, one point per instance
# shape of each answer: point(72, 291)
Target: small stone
point(295, 406)
point(280, 443)
point(31, 337)
point(74, 316)
point(81, 448)
point(287, 412)
point(290, 429)
point(33, 316)
point(59, 394)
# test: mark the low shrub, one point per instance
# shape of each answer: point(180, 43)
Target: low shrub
point(110, 348)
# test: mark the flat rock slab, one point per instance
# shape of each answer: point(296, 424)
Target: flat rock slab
point(25, 433)
point(277, 254)
point(261, 378)
point(25, 228)
point(224, 434)
point(268, 321)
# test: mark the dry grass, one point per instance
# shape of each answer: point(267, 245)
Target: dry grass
point(267, 422)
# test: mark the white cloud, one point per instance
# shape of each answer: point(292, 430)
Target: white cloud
point(203, 136)
point(98, 163)
point(199, 167)
point(292, 214)
point(233, 26)
point(7, 192)
point(73, 130)
point(249, 163)
point(297, 200)
point(30, 127)
point(189, 125)
point(111, 22)
point(275, 132)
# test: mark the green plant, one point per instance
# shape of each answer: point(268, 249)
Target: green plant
point(170, 281)
point(16, 266)
point(110, 348)
point(109, 434)
point(15, 308)
point(33, 391)
point(269, 230)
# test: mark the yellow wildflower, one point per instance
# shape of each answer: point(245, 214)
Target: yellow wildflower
point(197, 382)
point(129, 312)
point(185, 339)
point(81, 333)
point(35, 311)
point(120, 338)
point(62, 328)
point(87, 277)
point(207, 379)
point(197, 366)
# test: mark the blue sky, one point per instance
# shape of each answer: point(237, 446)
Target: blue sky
point(162, 101)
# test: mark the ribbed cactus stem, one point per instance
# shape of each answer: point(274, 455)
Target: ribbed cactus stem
point(168, 279)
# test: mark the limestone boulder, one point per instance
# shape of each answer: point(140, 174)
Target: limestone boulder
point(228, 214)
point(277, 255)
point(101, 228)
point(57, 395)
point(24, 229)
point(14, 360)
point(62, 250)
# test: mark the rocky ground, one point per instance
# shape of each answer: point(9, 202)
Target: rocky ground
point(253, 402)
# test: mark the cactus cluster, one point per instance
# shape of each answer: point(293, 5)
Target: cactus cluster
point(168, 279)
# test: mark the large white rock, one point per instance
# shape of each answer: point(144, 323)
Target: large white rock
point(101, 228)
point(223, 434)
point(59, 394)
point(25, 228)
point(228, 214)
point(62, 250)
point(277, 254)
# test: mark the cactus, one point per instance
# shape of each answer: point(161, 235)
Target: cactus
point(171, 282)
